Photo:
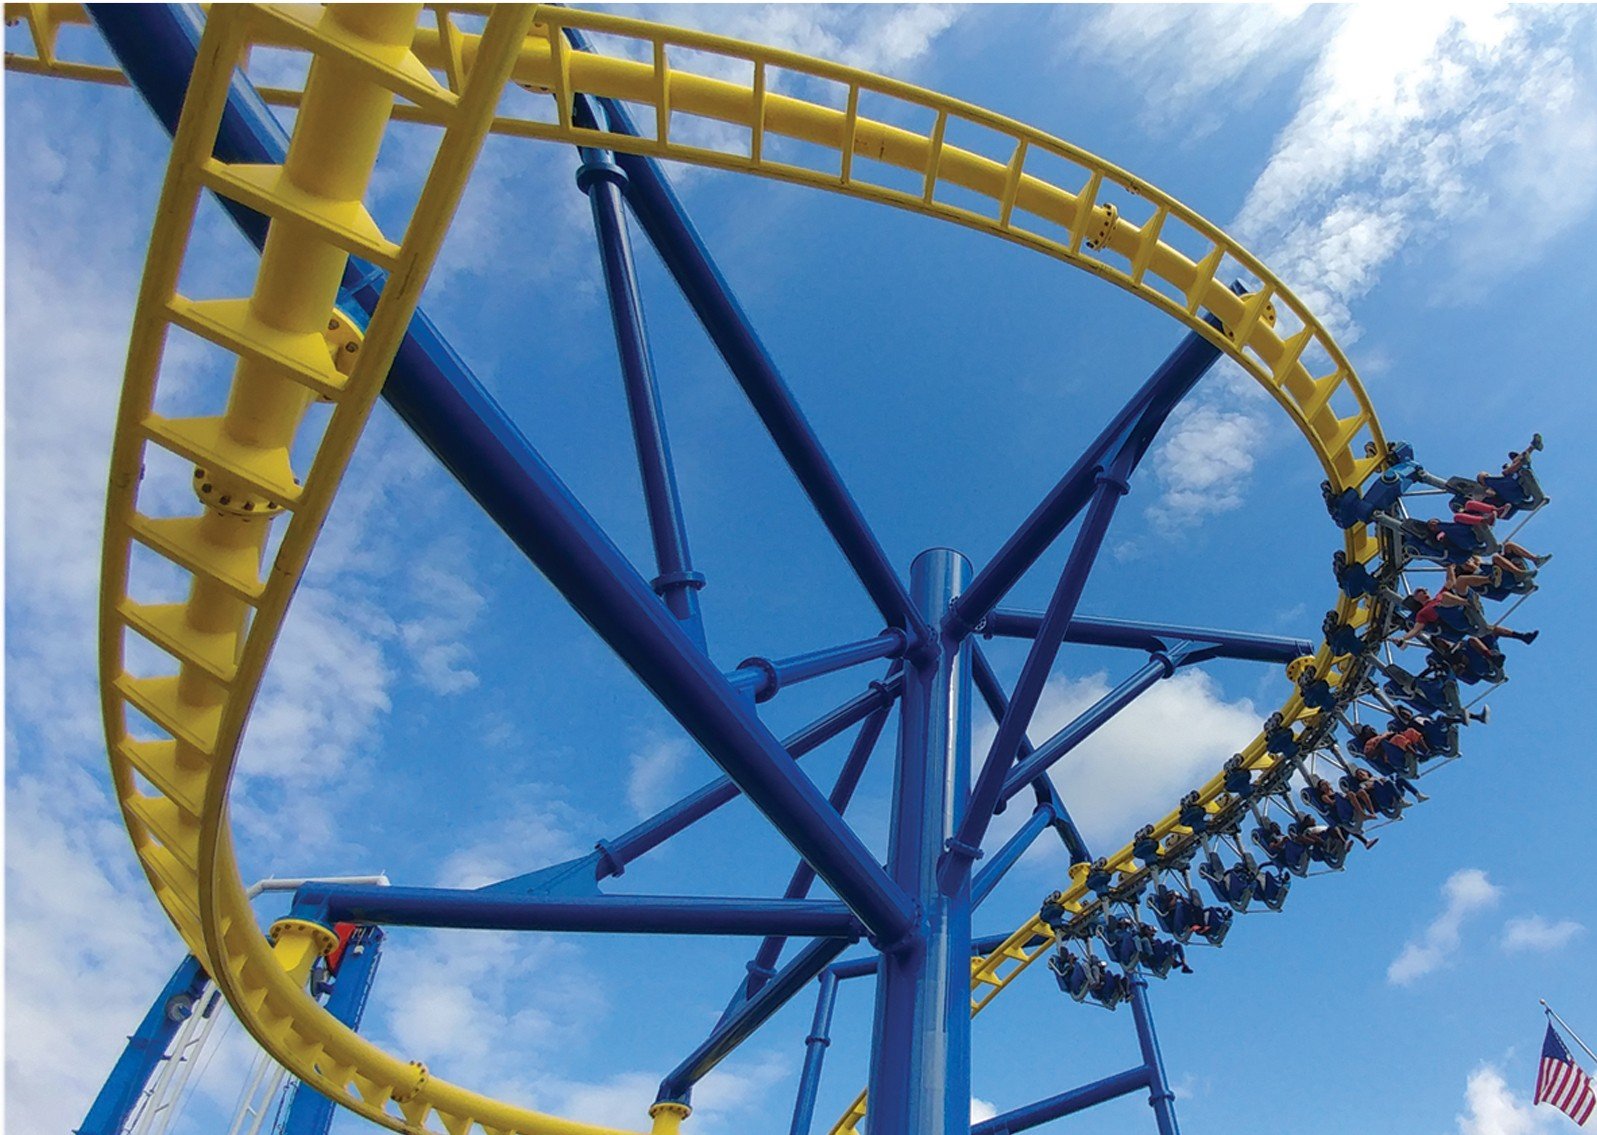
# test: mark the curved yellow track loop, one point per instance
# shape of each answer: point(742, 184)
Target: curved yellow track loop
point(174, 790)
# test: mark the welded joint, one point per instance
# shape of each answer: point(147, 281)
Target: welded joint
point(610, 865)
point(823, 1041)
point(598, 166)
point(1108, 478)
point(887, 690)
point(665, 581)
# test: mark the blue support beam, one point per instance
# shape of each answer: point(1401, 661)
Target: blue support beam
point(452, 414)
point(763, 965)
point(1137, 635)
point(614, 855)
point(920, 1049)
point(761, 679)
point(1066, 1103)
point(1109, 486)
point(867, 966)
point(676, 582)
point(742, 1022)
point(994, 870)
point(815, 1046)
point(311, 1113)
point(1136, 422)
point(992, 692)
point(683, 251)
point(328, 903)
point(1160, 1097)
point(145, 1049)
point(1160, 666)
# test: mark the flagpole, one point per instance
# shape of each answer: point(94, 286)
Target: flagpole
point(1573, 1035)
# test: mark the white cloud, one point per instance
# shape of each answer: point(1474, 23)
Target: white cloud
point(1414, 129)
point(1129, 772)
point(532, 828)
point(1534, 932)
point(890, 38)
point(1464, 893)
point(1416, 124)
point(1228, 55)
point(734, 1097)
point(1492, 1108)
point(1204, 462)
point(653, 775)
point(450, 997)
point(981, 1110)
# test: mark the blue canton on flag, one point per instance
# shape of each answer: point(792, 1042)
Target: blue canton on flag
point(1562, 1083)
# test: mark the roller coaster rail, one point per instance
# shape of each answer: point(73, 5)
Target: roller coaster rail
point(333, 316)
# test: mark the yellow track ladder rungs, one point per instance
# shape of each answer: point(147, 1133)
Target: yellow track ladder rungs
point(228, 323)
point(167, 626)
point(1203, 277)
point(180, 883)
point(1086, 201)
point(1012, 176)
point(1252, 310)
point(157, 762)
point(178, 831)
point(405, 75)
point(344, 224)
point(157, 699)
point(1291, 351)
point(204, 441)
point(1346, 428)
point(1323, 389)
point(1147, 242)
point(181, 539)
point(934, 157)
point(850, 132)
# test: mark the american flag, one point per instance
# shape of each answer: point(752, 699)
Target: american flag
point(1562, 1083)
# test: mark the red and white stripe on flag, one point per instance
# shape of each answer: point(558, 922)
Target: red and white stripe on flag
point(1563, 1083)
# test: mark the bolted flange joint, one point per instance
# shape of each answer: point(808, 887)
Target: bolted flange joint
point(231, 499)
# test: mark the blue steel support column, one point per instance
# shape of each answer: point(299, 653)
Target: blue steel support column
point(145, 1048)
point(677, 582)
point(1160, 1097)
point(665, 222)
point(815, 1046)
point(920, 1051)
point(311, 1113)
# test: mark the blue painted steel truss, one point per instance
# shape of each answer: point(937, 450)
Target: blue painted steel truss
point(916, 908)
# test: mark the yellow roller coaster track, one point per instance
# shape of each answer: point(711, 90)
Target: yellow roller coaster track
point(292, 346)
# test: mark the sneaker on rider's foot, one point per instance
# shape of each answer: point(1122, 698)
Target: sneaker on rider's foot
point(1541, 559)
point(1529, 637)
point(1536, 441)
point(1484, 715)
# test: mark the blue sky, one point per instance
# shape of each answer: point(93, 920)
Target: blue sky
point(436, 711)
